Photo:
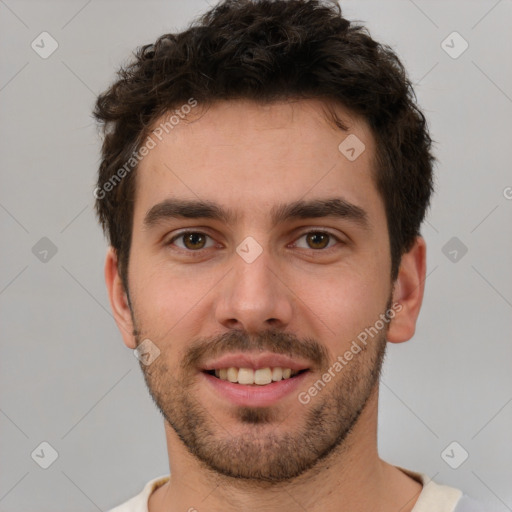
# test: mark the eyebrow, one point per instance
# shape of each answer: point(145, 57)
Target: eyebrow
point(196, 209)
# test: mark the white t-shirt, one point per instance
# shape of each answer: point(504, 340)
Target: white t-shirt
point(433, 497)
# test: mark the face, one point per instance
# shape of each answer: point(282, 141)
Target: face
point(284, 264)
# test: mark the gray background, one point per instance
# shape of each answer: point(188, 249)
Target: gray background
point(66, 377)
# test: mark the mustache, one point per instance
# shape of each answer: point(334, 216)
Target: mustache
point(240, 341)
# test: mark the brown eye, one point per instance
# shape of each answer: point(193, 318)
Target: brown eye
point(191, 240)
point(317, 240)
point(194, 240)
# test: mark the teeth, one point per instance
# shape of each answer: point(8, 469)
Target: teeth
point(262, 376)
point(248, 376)
point(245, 376)
point(232, 374)
point(277, 374)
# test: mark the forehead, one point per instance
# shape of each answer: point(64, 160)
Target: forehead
point(251, 156)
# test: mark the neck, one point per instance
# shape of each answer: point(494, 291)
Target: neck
point(352, 477)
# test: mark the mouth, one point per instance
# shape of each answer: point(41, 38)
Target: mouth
point(254, 377)
point(257, 379)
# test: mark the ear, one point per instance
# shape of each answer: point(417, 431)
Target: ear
point(408, 292)
point(118, 299)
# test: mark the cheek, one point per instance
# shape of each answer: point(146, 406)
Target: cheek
point(343, 304)
point(166, 296)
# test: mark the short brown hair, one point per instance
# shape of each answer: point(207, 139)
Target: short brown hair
point(270, 50)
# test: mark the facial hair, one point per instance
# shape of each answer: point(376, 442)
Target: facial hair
point(264, 453)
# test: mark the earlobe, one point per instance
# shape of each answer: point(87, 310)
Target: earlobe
point(408, 292)
point(118, 299)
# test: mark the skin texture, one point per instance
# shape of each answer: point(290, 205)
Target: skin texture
point(305, 296)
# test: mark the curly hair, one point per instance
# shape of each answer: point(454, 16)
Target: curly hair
point(266, 51)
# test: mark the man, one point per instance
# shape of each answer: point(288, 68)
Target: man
point(263, 180)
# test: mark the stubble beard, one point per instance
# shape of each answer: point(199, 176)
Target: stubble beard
point(264, 452)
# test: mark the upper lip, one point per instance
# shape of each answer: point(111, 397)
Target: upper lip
point(255, 361)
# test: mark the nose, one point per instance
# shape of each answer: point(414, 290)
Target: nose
point(253, 297)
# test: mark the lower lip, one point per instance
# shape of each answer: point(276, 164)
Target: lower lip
point(255, 395)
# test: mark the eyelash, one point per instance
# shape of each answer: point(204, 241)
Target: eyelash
point(198, 251)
